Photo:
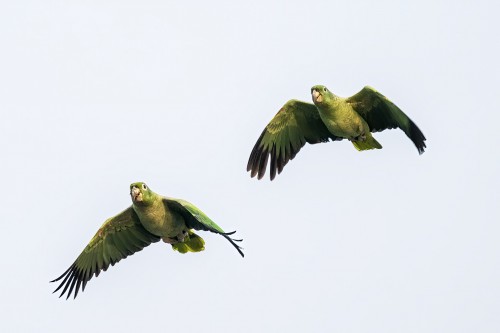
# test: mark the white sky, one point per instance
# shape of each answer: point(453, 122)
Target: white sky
point(95, 95)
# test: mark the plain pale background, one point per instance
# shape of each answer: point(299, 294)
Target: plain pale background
point(95, 95)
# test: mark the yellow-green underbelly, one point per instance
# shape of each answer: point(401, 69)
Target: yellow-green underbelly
point(161, 222)
point(343, 122)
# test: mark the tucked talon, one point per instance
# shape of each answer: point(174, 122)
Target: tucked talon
point(169, 240)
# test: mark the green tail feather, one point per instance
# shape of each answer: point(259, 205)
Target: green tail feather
point(369, 143)
point(192, 243)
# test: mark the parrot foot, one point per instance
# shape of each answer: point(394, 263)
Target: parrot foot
point(177, 239)
point(169, 240)
point(361, 137)
point(182, 236)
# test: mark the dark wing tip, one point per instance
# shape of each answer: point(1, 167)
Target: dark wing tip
point(232, 241)
point(417, 137)
point(62, 275)
point(72, 277)
point(232, 233)
point(277, 158)
point(257, 162)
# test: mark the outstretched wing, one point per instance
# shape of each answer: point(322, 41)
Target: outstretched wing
point(119, 237)
point(295, 124)
point(380, 114)
point(196, 219)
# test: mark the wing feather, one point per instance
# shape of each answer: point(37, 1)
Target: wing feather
point(118, 237)
point(196, 219)
point(295, 124)
point(381, 114)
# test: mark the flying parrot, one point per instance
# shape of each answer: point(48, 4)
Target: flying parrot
point(330, 118)
point(150, 218)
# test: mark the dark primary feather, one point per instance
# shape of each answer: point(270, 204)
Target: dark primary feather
point(119, 237)
point(196, 219)
point(380, 114)
point(295, 124)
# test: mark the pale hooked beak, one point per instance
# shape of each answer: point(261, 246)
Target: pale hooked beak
point(316, 96)
point(136, 194)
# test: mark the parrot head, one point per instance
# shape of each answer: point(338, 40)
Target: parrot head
point(140, 193)
point(320, 94)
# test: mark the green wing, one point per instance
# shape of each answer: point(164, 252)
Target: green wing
point(380, 114)
point(295, 124)
point(119, 237)
point(196, 219)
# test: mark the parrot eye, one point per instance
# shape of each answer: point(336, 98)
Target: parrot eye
point(144, 186)
point(324, 89)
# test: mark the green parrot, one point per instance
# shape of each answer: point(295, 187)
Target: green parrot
point(330, 118)
point(150, 218)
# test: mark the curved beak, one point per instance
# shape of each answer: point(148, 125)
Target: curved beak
point(316, 96)
point(136, 194)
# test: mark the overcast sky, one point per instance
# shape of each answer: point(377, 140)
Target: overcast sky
point(95, 95)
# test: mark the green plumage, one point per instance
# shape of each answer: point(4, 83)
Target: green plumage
point(330, 118)
point(192, 243)
point(369, 143)
point(150, 218)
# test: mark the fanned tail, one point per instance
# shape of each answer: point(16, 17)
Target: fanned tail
point(192, 243)
point(369, 143)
